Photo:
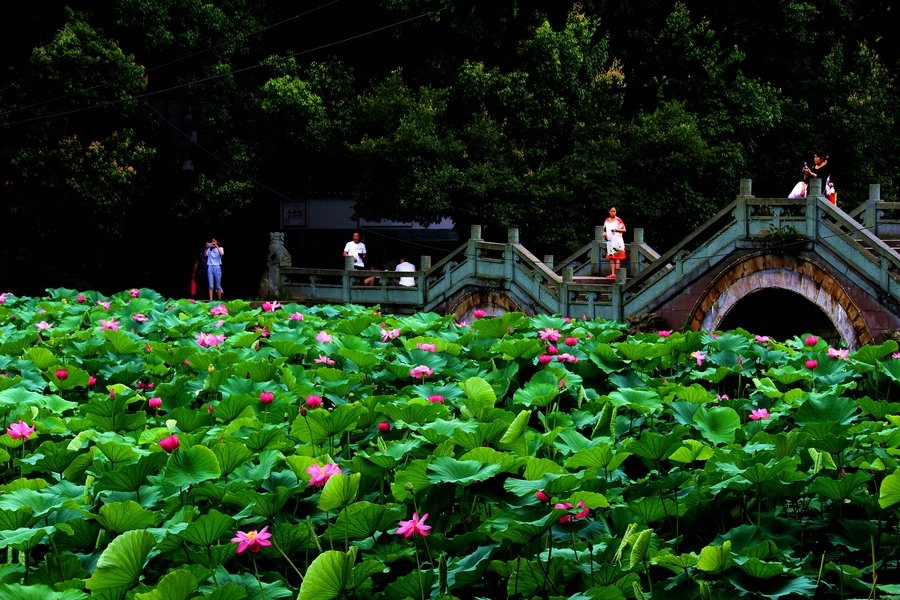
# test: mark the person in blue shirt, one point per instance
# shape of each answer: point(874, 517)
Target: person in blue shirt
point(213, 254)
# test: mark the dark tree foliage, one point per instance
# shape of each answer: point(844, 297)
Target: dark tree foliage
point(128, 115)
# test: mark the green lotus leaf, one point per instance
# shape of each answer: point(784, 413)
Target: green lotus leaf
point(636, 351)
point(499, 327)
point(121, 342)
point(718, 424)
point(414, 476)
point(121, 563)
point(479, 395)
point(715, 559)
point(655, 446)
point(536, 394)
point(871, 355)
point(694, 450)
point(363, 519)
point(600, 457)
point(449, 470)
point(640, 400)
point(409, 586)
point(839, 489)
point(415, 410)
point(208, 529)
point(39, 592)
point(177, 585)
point(339, 491)
point(469, 569)
point(117, 453)
point(192, 466)
point(327, 576)
point(489, 456)
point(526, 349)
point(42, 358)
point(827, 409)
point(130, 478)
point(775, 588)
point(231, 455)
point(119, 517)
point(25, 538)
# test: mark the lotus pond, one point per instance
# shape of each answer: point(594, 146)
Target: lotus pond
point(155, 449)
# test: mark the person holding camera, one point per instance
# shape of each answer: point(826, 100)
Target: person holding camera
point(213, 254)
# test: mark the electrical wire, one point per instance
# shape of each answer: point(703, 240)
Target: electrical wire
point(220, 75)
point(171, 62)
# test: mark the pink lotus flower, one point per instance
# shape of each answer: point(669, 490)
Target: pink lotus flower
point(135, 293)
point(552, 350)
point(811, 364)
point(220, 322)
point(421, 371)
point(208, 340)
point(41, 326)
point(80, 298)
point(323, 337)
point(579, 515)
point(321, 474)
point(314, 401)
point(478, 313)
point(218, 310)
point(209, 408)
point(266, 397)
point(111, 324)
point(139, 317)
point(811, 340)
point(542, 496)
point(295, 317)
point(155, 403)
point(426, 347)
point(700, 357)
point(169, 444)
point(714, 335)
point(762, 339)
point(105, 305)
point(895, 355)
point(20, 430)
point(270, 306)
point(415, 525)
point(664, 333)
point(41, 311)
point(388, 334)
point(112, 393)
point(566, 357)
point(62, 374)
point(841, 353)
point(544, 359)
point(759, 413)
point(252, 540)
point(264, 333)
point(549, 334)
point(722, 397)
point(571, 341)
point(92, 381)
point(384, 427)
point(324, 359)
point(436, 398)
point(3, 297)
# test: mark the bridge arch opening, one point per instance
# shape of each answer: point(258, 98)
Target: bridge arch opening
point(780, 314)
point(775, 275)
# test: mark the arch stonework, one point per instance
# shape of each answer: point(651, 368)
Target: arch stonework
point(494, 304)
point(798, 274)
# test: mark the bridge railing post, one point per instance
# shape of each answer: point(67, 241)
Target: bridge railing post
point(568, 277)
point(548, 260)
point(618, 306)
point(348, 269)
point(812, 208)
point(741, 210)
point(472, 250)
point(424, 265)
point(634, 253)
point(597, 246)
point(871, 218)
point(509, 255)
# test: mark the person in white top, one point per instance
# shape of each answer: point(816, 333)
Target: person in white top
point(357, 250)
point(405, 266)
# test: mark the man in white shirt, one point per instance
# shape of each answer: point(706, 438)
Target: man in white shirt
point(405, 266)
point(357, 250)
point(214, 253)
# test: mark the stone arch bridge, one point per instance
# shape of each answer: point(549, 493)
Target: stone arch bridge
point(842, 263)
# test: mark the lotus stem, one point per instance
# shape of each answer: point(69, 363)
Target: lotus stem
point(290, 562)
point(258, 580)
